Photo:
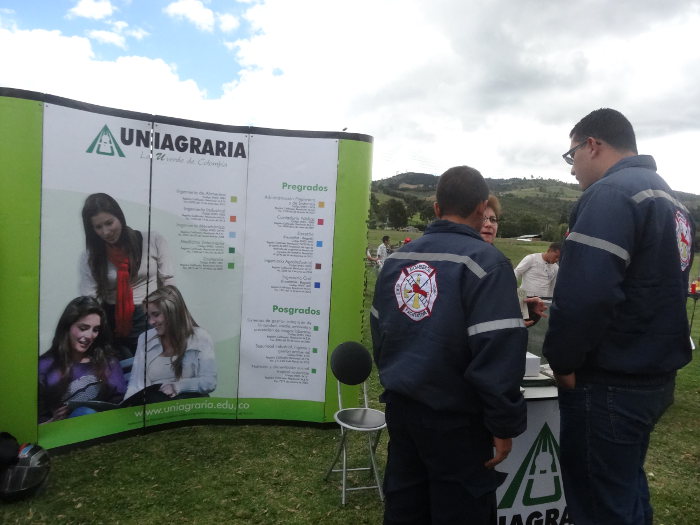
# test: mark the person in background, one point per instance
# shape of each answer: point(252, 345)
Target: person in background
point(383, 251)
point(119, 266)
point(489, 228)
point(449, 342)
point(79, 365)
point(618, 327)
point(489, 225)
point(538, 271)
point(175, 354)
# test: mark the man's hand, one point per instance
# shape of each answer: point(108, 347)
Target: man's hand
point(566, 381)
point(536, 308)
point(503, 448)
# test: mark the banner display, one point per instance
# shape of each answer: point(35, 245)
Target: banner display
point(231, 234)
point(287, 284)
point(84, 154)
point(198, 204)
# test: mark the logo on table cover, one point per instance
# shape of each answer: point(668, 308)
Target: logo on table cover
point(105, 144)
point(538, 480)
point(416, 290)
point(683, 237)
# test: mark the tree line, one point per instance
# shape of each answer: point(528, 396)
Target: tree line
point(529, 206)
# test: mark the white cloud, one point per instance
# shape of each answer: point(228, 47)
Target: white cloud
point(95, 9)
point(194, 11)
point(228, 23)
point(119, 26)
point(108, 37)
point(495, 85)
point(118, 35)
point(7, 19)
point(132, 83)
point(138, 33)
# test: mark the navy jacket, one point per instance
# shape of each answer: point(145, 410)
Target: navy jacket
point(619, 308)
point(447, 329)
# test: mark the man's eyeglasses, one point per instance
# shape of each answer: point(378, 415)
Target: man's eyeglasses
point(569, 155)
point(492, 220)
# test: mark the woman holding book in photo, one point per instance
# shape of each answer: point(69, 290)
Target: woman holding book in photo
point(175, 358)
point(79, 368)
point(119, 267)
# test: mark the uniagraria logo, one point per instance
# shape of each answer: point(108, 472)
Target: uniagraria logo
point(535, 495)
point(105, 144)
point(538, 479)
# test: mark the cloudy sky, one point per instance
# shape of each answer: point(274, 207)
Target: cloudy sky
point(494, 84)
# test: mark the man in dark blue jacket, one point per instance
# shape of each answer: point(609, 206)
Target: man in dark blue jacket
point(449, 341)
point(618, 328)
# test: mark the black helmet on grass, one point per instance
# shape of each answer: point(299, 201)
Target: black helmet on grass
point(26, 475)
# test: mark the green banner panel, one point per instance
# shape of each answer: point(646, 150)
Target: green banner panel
point(350, 241)
point(20, 205)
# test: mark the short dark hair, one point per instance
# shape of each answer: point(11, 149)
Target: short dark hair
point(460, 190)
point(609, 125)
point(555, 247)
point(385, 238)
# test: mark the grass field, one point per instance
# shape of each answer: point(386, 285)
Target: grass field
point(273, 473)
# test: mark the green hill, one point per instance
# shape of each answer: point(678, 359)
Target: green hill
point(529, 206)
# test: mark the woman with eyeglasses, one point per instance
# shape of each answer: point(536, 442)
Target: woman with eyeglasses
point(489, 229)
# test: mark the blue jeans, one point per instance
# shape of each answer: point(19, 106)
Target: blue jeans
point(604, 439)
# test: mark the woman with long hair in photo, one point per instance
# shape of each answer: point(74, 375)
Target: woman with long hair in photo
point(78, 367)
point(120, 266)
point(175, 354)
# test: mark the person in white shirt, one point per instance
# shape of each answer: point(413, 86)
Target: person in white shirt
point(538, 271)
point(383, 251)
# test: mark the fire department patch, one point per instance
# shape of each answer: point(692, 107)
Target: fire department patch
point(683, 237)
point(416, 290)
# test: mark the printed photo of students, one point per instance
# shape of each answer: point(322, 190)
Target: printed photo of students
point(79, 367)
point(119, 267)
point(175, 358)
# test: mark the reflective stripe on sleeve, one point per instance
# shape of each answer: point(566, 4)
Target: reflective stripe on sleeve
point(442, 257)
point(602, 244)
point(650, 194)
point(490, 326)
point(373, 311)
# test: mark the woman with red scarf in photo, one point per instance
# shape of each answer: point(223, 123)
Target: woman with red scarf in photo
point(120, 267)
